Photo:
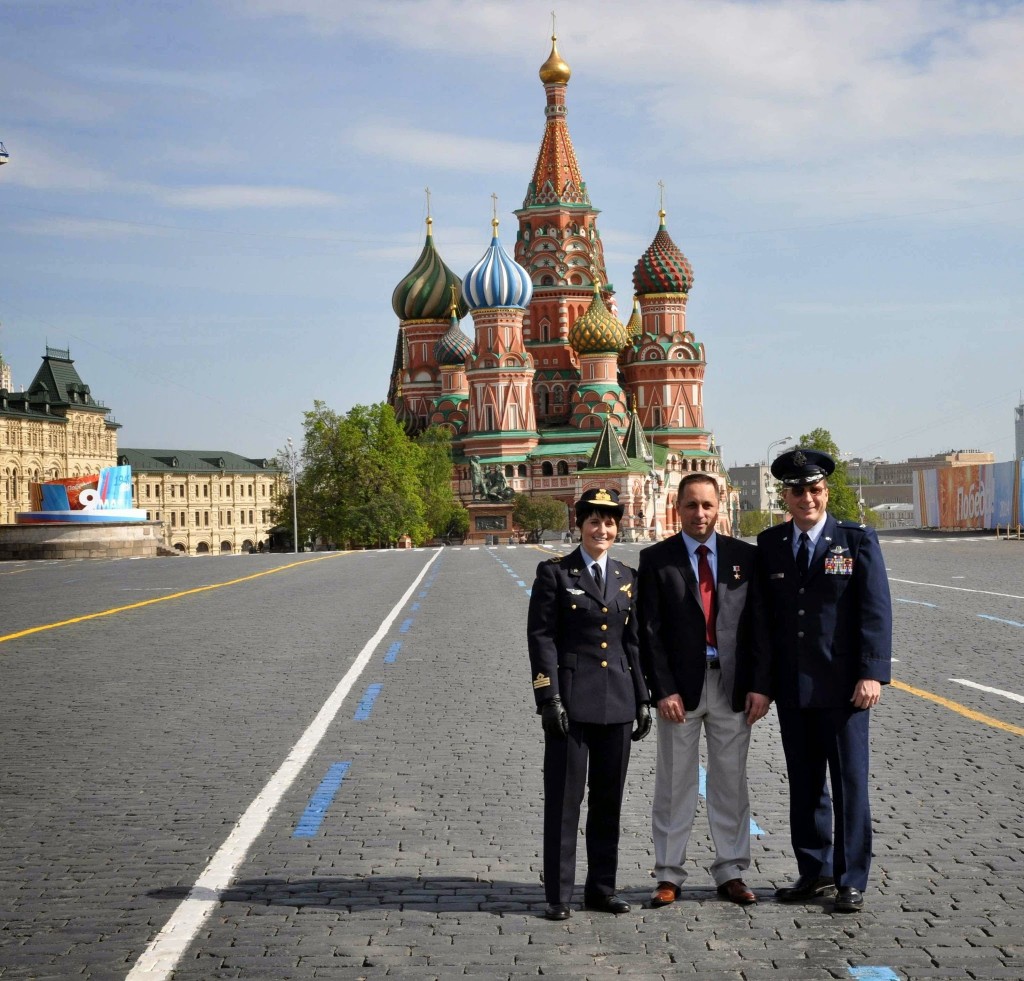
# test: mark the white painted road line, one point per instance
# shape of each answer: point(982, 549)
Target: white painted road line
point(991, 691)
point(959, 589)
point(161, 957)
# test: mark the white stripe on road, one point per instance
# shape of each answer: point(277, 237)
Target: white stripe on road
point(959, 589)
point(161, 957)
point(991, 691)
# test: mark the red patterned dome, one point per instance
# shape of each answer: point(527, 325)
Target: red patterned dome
point(662, 268)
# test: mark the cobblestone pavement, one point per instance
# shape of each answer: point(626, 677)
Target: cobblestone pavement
point(131, 743)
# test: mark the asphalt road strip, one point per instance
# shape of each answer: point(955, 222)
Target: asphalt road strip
point(161, 957)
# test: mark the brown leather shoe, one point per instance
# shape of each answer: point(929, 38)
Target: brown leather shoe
point(665, 895)
point(736, 891)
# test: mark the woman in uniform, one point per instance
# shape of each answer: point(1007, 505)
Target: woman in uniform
point(584, 657)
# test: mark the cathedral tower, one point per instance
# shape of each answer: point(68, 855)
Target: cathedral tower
point(559, 245)
point(499, 371)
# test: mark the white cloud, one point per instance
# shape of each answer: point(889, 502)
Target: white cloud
point(445, 150)
point(224, 196)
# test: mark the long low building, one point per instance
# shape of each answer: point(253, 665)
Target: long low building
point(209, 501)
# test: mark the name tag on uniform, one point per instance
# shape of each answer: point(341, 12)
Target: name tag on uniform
point(777, 575)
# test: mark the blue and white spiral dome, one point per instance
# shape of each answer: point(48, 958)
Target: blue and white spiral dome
point(497, 280)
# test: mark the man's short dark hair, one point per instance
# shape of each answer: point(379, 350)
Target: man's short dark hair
point(694, 478)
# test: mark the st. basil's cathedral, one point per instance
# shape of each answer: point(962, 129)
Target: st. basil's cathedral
point(553, 394)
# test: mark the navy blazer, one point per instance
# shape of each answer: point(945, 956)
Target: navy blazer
point(583, 646)
point(673, 650)
point(826, 631)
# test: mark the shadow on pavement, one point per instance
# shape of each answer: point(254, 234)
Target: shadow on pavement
point(440, 893)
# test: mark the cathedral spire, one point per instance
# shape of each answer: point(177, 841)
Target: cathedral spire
point(556, 176)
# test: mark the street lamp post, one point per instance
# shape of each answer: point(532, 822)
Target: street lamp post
point(652, 476)
point(295, 505)
point(769, 491)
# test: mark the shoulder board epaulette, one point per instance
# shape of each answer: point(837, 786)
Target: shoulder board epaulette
point(556, 558)
point(852, 525)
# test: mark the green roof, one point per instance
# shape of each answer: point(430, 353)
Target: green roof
point(192, 461)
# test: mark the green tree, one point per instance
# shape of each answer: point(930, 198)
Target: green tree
point(361, 478)
point(539, 514)
point(752, 523)
point(443, 512)
point(842, 498)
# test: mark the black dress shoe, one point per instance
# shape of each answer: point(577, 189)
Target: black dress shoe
point(849, 900)
point(806, 887)
point(606, 904)
point(557, 911)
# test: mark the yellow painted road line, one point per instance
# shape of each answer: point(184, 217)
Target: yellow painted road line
point(163, 599)
point(959, 709)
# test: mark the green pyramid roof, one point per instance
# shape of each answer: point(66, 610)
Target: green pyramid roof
point(608, 453)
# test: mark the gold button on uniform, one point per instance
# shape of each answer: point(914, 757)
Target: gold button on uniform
point(604, 609)
point(604, 644)
point(574, 606)
point(604, 626)
point(604, 664)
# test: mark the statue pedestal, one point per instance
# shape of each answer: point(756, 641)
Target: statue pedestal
point(490, 523)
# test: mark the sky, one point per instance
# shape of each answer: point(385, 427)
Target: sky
point(210, 202)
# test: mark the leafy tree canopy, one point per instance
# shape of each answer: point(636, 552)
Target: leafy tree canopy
point(539, 514)
point(364, 482)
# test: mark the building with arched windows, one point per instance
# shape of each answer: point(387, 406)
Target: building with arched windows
point(54, 428)
point(552, 392)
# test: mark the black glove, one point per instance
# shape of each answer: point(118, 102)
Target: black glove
point(554, 718)
point(643, 722)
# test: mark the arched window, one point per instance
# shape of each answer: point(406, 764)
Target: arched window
point(510, 471)
point(546, 470)
point(522, 469)
point(563, 468)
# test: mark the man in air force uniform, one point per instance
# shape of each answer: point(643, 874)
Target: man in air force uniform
point(824, 618)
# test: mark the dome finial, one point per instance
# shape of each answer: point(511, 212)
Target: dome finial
point(494, 214)
point(554, 70)
point(661, 208)
point(430, 221)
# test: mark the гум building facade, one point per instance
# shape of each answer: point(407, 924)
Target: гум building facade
point(53, 429)
point(208, 501)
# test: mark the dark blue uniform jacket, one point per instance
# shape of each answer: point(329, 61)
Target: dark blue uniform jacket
point(833, 627)
point(584, 646)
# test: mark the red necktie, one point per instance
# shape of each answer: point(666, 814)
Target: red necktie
point(707, 594)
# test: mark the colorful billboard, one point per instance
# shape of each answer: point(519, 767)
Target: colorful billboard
point(979, 496)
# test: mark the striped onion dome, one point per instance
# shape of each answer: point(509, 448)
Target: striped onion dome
point(598, 331)
point(662, 268)
point(423, 293)
point(635, 325)
point(497, 280)
point(452, 347)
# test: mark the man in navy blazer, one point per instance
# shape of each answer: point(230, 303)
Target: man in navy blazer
point(695, 648)
point(824, 618)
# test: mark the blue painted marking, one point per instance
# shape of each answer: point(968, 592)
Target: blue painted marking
point(414, 607)
point(702, 789)
point(529, 592)
point(1012, 623)
point(874, 974)
point(392, 653)
point(523, 584)
point(366, 705)
point(406, 624)
point(934, 606)
point(313, 816)
point(421, 594)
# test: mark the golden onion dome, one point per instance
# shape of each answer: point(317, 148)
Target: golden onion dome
point(598, 331)
point(554, 69)
point(635, 326)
